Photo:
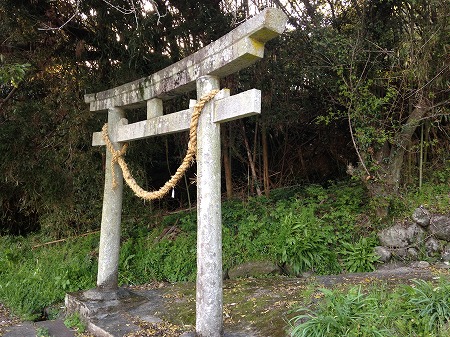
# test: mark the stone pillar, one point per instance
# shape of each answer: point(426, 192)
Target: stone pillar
point(209, 303)
point(108, 259)
point(154, 108)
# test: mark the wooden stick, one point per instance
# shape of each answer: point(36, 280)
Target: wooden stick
point(62, 240)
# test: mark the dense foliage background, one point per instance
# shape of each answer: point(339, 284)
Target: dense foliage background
point(356, 89)
point(354, 134)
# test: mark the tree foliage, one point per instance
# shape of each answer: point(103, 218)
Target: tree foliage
point(349, 84)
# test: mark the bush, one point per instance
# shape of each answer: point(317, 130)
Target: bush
point(359, 257)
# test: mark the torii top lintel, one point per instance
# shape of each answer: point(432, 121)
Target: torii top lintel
point(234, 51)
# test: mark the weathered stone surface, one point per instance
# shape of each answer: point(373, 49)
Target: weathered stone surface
point(234, 51)
point(394, 236)
point(209, 299)
point(445, 254)
point(415, 234)
point(440, 227)
point(421, 216)
point(384, 253)
point(244, 104)
point(108, 260)
point(399, 253)
point(413, 253)
point(257, 268)
point(401, 235)
point(420, 264)
point(432, 246)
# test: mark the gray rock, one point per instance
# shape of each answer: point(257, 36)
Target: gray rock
point(432, 246)
point(412, 252)
point(384, 253)
point(257, 268)
point(421, 216)
point(415, 234)
point(445, 254)
point(394, 236)
point(420, 264)
point(440, 227)
point(401, 253)
point(401, 235)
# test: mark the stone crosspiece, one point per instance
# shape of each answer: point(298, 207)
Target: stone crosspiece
point(201, 71)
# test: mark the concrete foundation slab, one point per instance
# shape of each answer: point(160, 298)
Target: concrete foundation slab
point(116, 317)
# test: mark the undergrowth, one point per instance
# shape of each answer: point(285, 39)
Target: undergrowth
point(34, 278)
point(420, 309)
point(316, 228)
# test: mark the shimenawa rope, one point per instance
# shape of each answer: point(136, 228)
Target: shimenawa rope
point(117, 156)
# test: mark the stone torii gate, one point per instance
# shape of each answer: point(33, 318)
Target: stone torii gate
point(200, 71)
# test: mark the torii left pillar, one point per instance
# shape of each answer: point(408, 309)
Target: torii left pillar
point(108, 259)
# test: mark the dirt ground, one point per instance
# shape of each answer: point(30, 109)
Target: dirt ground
point(6, 318)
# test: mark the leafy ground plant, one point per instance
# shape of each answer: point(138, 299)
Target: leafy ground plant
point(42, 332)
point(422, 309)
point(351, 314)
point(426, 312)
point(359, 256)
point(74, 321)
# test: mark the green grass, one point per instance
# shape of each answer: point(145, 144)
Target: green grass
point(32, 279)
point(421, 309)
point(306, 228)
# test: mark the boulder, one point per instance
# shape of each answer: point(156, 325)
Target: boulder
point(415, 234)
point(421, 216)
point(254, 269)
point(432, 246)
point(384, 253)
point(440, 227)
point(401, 235)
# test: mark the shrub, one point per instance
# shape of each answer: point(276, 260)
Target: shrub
point(359, 256)
point(351, 314)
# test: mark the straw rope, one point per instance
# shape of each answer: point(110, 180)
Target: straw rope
point(117, 156)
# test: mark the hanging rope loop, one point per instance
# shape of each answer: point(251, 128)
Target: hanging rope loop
point(118, 156)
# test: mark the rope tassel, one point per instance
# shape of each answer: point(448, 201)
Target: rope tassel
point(117, 156)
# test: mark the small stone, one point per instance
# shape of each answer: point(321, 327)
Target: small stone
point(420, 264)
point(412, 252)
point(432, 246)
point(445, 255)
point(253, 269)
point(401, 253)
point(421, 216)
point(384, 253)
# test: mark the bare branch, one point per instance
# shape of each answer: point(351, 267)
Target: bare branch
point(8, 97)
point(65, 23)
point(123, 10)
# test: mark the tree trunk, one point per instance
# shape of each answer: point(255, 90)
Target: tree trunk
point(265, 148)
point(387, 183)
point(227, 162)
point(251, 162)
